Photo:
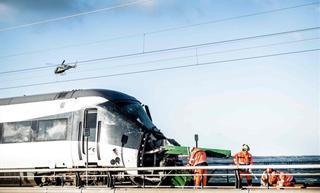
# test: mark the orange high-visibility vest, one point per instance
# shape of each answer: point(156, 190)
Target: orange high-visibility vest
point(273, 178)
point(197, 156)
point(243, 158)
point(285, 179)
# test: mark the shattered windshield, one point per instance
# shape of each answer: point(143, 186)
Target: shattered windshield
point(135, 111)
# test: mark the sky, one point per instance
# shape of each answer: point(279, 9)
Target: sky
point(270, 103)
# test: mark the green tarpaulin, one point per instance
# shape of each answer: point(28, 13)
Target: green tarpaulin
point(183, 150)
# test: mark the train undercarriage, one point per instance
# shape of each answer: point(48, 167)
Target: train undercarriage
point(149, 155)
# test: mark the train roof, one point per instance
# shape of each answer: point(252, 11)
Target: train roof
point(108, 94)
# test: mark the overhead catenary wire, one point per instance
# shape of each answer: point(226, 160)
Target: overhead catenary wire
point(66, 46)
point(160, 69)
point(177, 58)
point(199, 45)
point(235, 17)
point(197, 55)
point(72, 16)
point(159, 31)
point(181, 57)
point(82, 62)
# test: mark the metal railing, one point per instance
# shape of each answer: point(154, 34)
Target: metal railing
point(25, 173)
point(211, 167)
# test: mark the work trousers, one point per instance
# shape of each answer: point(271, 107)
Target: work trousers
point(238, 173)
point(201, 179)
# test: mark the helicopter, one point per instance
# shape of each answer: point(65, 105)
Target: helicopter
point(63, 67)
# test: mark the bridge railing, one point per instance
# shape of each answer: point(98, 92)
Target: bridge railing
point(145, 173)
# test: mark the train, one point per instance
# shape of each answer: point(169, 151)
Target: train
point(78, 129)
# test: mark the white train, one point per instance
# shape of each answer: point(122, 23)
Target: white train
point(49, 131)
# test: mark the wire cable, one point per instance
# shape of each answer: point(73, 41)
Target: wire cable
point(196, 45)
point(211, 53)
point(71, 16)
point(200, 55)
point(158, 31)
point(82, 62)
point(67, 46)
point(176, 58)
point(159, 69)
point(233, 18)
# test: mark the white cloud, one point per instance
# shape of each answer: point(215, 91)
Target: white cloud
point(6, 13)
point(147, 4)
point(271, 4)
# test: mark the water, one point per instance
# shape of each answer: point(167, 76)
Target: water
point(262, 160)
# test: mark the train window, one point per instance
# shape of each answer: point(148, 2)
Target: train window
point(49, 130)
point(91, 123)
point(135, 112)
point(16, 132)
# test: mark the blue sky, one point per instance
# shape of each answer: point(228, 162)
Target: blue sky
point(270, 103)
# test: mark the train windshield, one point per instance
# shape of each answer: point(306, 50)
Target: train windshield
point(135, 111)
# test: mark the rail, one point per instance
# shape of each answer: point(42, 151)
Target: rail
point(153, 172)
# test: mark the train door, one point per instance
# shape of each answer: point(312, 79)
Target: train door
point(90, 136)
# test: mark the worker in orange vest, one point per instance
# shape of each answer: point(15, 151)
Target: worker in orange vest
point(276, 178)
point(198, 157)
point(270, 177)
point(285, 180)
point(243, 158)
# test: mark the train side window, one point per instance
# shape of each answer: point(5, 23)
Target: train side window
point(17, 132)
point(91, 123)
point(50, 130)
